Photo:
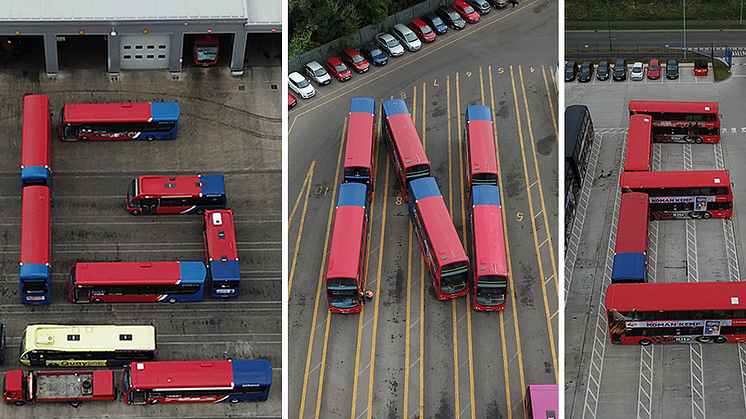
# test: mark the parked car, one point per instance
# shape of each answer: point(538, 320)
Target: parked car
point(672, 69)
point(602, 71)
point(435, 23)
point(316, 72)
point(374, 54)
point(499, 4)
point(465, 11)
point(586, 72)
point(422, 30)
point(654, 69)
point(338, 69)
point(292, 101)
point(638, 70)
point(406, 37)
point(389, 44)
point(355, 61)
point(571, 70)
point(450, 17)
point(481, 6)
point(620, 70)
point(300, 85)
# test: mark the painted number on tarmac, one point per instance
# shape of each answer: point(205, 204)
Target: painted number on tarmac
point(403, 95)
point(532, 69)
point(435, 83)
point(468, 74)
point(520, 216)
point(321, 190)
point(398, 200)
point(500, 70)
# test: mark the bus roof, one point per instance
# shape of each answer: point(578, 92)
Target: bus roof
point(437, 221)
point(36, 142)
point(639, 141)
point(574, 115)
point(201, 374)
point(633, 223)
point(360, 136)
point(544, 398)
point(190, 185)
point(405, 135)
point(139, 273)
point(485, 195)
point(347, 239)
point(221, 234)
point(482, 154)
point(683, 179)
point(362, 104)
point(352, 194)
point(642, 106)
point(489, 239)
point(670, 296)
point(121, 112)
point(36, 230)
point(478, 113)
point(91, 337)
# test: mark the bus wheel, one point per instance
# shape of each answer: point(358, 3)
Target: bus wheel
point(645, 342)
point(98, 300)
point(698, 140)
point(75, 404)
point(154, 401)
point(135, 212)
point(694, 214)
point(721, 339)
point(19, 402)
point(172, 300)
point(707, 215)
point(704, 339)
point(84, 138)
point(150, 138)
point(234, 401)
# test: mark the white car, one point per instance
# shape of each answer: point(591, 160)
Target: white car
point(406, 37)
point(389, 44)
point(638, 70)
point(316, 72)
point(300, 85)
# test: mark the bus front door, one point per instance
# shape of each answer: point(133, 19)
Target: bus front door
point(148, 206)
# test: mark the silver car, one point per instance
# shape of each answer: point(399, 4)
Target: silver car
point(389, 44)
point(406, 37)
point(316, 72)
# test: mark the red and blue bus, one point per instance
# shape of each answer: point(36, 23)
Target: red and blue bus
point(131, 282)
point(36, 245)
point(489, 263)
point(358, 166)
point(479, 145)
point(36, 147)
point(345, 272)
point(234, 381)
point(403, 143)
point(639, 147)
point(443, 252)
point(221, 253)
point(687, 194)
point(541, 401)
point(630, 253)
point(119, 121)
point(681, 122)
point(175, 194)
point(676, 312)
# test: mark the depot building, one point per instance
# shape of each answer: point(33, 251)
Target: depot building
point(139, 34)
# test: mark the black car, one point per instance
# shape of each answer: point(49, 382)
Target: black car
point(620, 70)
point(586, 72)
point(499, 4)
point(374, 54)
point(602, 71)
point(571, 69)
point(450, 17)
point(481, 6)
point(672, 69)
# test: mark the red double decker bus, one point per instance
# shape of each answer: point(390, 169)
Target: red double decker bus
point(119, 121)
point(403, 143)
point(688, 194)
point(175, 194)
point(36, 147)
point(639, 144)
point(681, 122)
point(131, 282)
point(488, 255)
point(479, 147)
point(441, 247)
point(221, 253)
point(630, 253)
point(36, 245)
point(345, 272)
point(677, 312)
point(358, 165)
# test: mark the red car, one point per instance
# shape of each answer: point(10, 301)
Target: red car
point(422, 30)
point(292, 101)
point(465, 11)
point(654, 69)
point(338, 69)
point(356, 61)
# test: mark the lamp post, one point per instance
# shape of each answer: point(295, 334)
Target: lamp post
point(608, 22)
point(685, 29)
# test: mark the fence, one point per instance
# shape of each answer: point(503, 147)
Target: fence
point(363, 36)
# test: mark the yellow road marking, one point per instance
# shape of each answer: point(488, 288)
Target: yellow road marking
point(307, 184)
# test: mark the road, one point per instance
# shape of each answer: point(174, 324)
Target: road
point(655, 38)
point(408, 354)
